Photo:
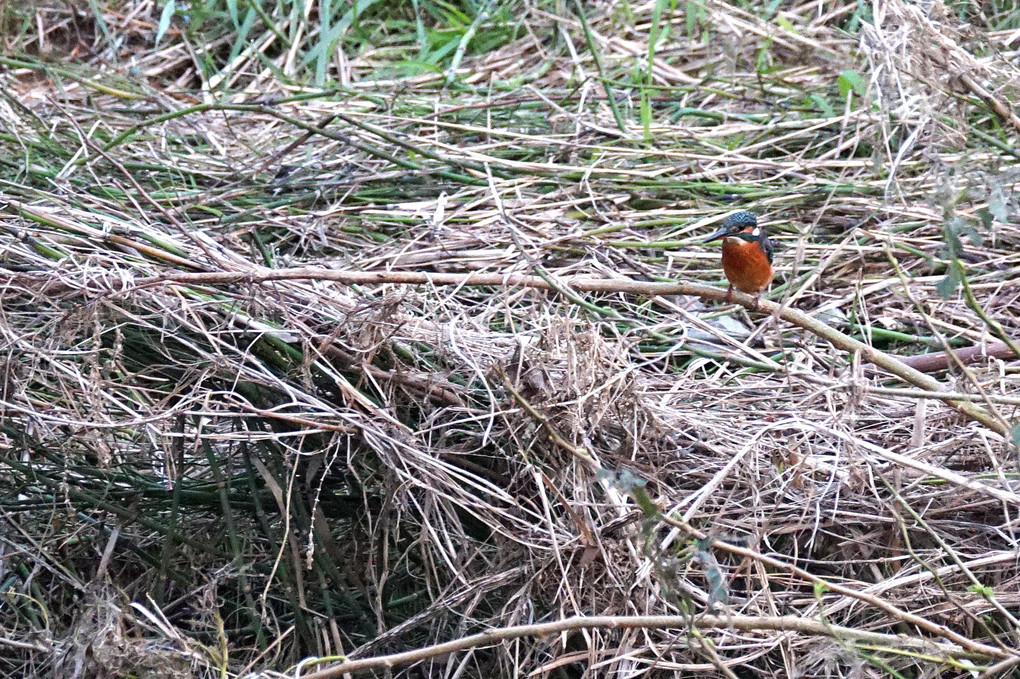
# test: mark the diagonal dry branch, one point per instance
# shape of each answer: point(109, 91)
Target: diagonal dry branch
point(583, 284)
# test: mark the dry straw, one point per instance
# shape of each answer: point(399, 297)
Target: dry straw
point(428, 370)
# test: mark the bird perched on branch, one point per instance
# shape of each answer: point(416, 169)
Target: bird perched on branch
point(746, 254)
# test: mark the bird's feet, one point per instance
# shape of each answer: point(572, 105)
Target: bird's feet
point(729, 294)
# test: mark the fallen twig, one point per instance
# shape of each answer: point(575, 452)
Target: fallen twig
point(745, 623)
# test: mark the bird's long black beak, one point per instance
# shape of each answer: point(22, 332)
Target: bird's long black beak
point(717, 235)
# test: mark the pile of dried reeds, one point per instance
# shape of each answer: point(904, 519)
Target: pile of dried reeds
point(295, 371)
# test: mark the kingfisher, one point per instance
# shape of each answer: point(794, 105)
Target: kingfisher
point(746, 254)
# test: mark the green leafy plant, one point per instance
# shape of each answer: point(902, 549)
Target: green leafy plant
point(851, 81)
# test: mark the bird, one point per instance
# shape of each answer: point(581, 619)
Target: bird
point(746, 254)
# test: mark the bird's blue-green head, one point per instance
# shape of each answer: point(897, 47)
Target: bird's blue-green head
point(739, 224)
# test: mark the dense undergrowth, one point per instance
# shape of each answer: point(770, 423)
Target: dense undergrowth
point(254, 409)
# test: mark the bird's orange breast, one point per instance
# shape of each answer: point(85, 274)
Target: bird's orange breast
point(746, 266)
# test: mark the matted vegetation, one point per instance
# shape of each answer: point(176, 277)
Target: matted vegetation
point(337, 330)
